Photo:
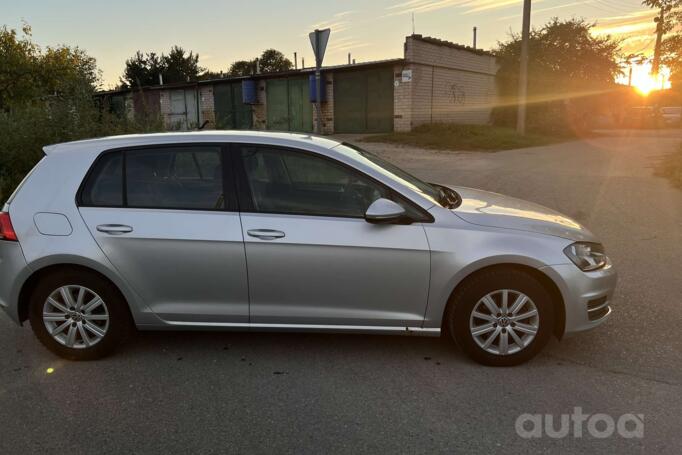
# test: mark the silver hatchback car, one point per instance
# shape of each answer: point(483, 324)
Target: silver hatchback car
point(274, 231)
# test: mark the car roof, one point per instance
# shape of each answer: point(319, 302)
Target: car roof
point(258, 137)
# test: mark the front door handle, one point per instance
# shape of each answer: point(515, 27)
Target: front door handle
point(265, 234)
point(114, 229)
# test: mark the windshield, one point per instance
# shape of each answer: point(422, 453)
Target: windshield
point(436, 193)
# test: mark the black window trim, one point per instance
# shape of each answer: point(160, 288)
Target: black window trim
point(229, 187)
point(246, 199)
point(236, 190)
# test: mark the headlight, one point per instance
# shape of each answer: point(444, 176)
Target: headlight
point(586, 255)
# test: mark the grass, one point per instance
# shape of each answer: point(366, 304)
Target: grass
point(670, 167)
point(466, 137)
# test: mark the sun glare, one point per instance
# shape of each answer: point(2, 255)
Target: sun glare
point(645, 85)
point(642, 80)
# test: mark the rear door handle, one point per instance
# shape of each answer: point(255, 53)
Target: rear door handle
point(265, 234)
point(114, 229)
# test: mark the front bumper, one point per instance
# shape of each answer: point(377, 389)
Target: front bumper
point(13, 273)
point(587, 295)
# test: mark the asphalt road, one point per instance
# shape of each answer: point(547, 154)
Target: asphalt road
point(310, 393)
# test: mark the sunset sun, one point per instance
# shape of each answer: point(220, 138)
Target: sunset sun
point(644, 84)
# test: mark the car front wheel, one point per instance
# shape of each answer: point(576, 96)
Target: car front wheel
point(501, 317)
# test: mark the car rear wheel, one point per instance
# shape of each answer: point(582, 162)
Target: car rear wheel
point(78, 315)
point(501, 317)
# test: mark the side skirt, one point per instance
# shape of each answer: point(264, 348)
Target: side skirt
point(173, 325)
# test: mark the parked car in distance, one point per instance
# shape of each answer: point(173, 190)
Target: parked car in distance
point(671, 116)
point(277, 232)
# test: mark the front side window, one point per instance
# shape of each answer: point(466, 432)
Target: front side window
point(285, 181)
point(188, 177)
point(393, 172)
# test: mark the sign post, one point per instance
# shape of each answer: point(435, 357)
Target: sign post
point(319, 40)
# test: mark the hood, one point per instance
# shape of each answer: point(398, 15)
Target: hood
point(497, 210)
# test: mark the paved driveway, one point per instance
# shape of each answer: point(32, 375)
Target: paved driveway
point(305, 393)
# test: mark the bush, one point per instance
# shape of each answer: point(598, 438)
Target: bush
point(27, 129)
point(46, 97)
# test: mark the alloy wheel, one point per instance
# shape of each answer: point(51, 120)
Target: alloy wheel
point(76, 316)
point(504, 322)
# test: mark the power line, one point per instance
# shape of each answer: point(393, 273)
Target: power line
point(608, 8)
point(615, 7)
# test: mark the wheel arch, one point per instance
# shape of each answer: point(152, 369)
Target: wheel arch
point(45, 268)
point(544, 279)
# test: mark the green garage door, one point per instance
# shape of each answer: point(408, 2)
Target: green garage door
point(288, 105)
point(230, 112)
point(363, 101)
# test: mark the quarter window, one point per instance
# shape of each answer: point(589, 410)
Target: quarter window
point(284, 181)
point(104, 185)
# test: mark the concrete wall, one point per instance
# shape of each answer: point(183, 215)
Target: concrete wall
point(165, 108)
point(448, 84)
point(206, 106)
point(402, 99)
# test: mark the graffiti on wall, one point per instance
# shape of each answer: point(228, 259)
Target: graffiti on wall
point(457, 93)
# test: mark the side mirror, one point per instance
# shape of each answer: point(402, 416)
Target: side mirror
point(385, 211)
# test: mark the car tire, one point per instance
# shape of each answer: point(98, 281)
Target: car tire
point(470, 320)
point(95, 321)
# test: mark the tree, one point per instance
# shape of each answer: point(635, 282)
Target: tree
point(29, 74)
point(567, 65)
point(144, 69)
point(242, 68)
point(181, 67)
point(671, 56)
point(672, 9)
point(46, 96)
point(270, 61)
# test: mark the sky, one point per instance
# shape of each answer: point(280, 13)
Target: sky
point(224, 31)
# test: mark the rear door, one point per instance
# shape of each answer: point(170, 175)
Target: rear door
point(166, 218)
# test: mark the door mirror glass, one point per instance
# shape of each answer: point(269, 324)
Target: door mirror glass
point(385, 211)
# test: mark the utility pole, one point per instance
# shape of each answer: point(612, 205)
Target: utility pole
point(475, 33)
point(656, 65)
point(523, 72)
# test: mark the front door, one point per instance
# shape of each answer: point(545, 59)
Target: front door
point(162, 217)
point(312, 258)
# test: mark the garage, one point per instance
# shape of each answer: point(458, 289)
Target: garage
point(230, 111)
point(363, 101)
point(288, 105)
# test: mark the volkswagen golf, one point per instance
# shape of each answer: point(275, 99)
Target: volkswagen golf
point(276, 232)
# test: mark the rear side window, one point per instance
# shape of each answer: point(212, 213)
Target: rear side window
point(104, 185)
point(175, 178)
point(188, 177)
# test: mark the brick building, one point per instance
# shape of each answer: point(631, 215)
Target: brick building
point(435, 81)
